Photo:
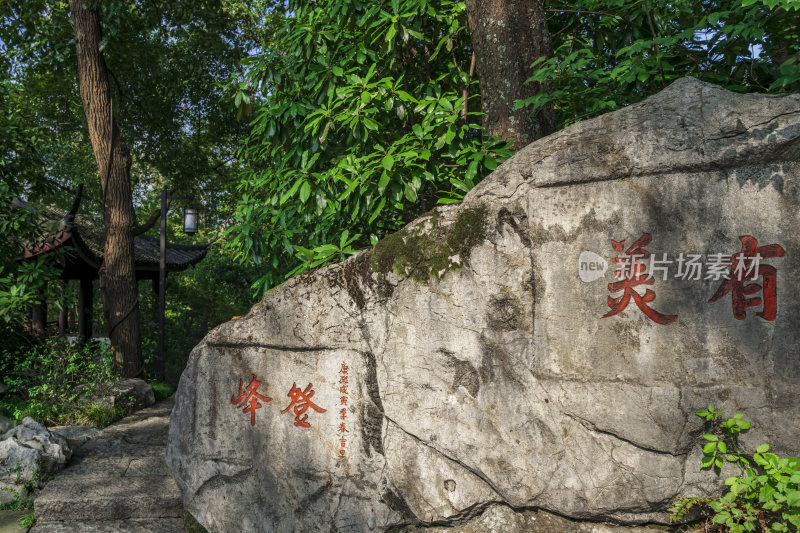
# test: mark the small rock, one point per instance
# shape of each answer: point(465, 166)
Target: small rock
point(12, 491)
point(5, 424)
point(136, 393)
point(77, 436)
point(29, 450)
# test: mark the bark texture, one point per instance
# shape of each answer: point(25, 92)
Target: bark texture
point(507, 36)
point(118, 285)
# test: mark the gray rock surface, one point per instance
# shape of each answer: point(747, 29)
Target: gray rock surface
point(76, 436)
point(492, 370)
point(28, 453)
point(9, 521)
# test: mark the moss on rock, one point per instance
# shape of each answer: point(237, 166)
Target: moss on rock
point(430, 249)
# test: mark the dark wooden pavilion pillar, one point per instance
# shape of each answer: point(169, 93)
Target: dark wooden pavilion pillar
point(39, 314)
point(85, 309)
point(62, 313)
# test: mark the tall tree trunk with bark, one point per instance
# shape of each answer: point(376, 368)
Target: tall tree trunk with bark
point(507, 36)
point(118, 285)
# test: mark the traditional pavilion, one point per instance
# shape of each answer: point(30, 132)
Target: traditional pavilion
point(82, 239)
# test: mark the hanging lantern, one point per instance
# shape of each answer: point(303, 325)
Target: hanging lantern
point(190, 220)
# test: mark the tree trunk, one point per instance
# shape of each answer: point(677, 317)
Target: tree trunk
point(118, 286)
point(507, 36)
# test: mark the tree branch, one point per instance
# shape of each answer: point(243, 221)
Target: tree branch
point(151, 220)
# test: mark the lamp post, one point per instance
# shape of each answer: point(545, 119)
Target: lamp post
point(190, 228)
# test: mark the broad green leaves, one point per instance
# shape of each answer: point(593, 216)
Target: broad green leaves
point(765, 497)
point(361, 126)
point(610, 53)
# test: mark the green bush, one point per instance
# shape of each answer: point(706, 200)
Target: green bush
point(57, 382)
point(162, 391)
point(27, 521)
point(764, 497)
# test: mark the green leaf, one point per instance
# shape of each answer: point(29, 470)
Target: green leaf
point(793, 498)
point(410, 193)
point(383, 181)
point(370, 124)
point(377, 211)
point(387, 162)
point(391, 33)
point(305, 191)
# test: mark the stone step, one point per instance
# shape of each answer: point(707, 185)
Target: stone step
point(95, 498)
point(163, 525)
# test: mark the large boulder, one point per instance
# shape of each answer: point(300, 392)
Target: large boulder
point(488, 359)
point(28, 454)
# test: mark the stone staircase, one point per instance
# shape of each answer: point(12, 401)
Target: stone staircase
point(116, 482)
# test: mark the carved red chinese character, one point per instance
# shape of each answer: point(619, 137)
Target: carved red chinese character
point(301, 401)
point(343, 368)
point(745, 263)
point(343, 414)
point(632, 273)
point(343, 400)
point(343, 428)
point(250, 397)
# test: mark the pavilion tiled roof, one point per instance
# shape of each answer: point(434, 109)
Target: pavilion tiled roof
point(86, 233)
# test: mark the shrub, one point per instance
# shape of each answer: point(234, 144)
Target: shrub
point(58, 382)
point(162, 391)
point(27, 521)
point(764, 497)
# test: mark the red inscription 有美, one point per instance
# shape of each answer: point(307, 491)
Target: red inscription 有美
point(632, 273)
point(742, 294)
point(301, 401)
point(250, 397)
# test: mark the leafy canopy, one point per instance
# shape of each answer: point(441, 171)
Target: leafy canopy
point(366, 117)
point(611, 53)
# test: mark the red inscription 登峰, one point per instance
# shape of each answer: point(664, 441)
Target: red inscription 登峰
point(745, 263)
point(301, 401)
point(250, 397)
point(632, 273)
